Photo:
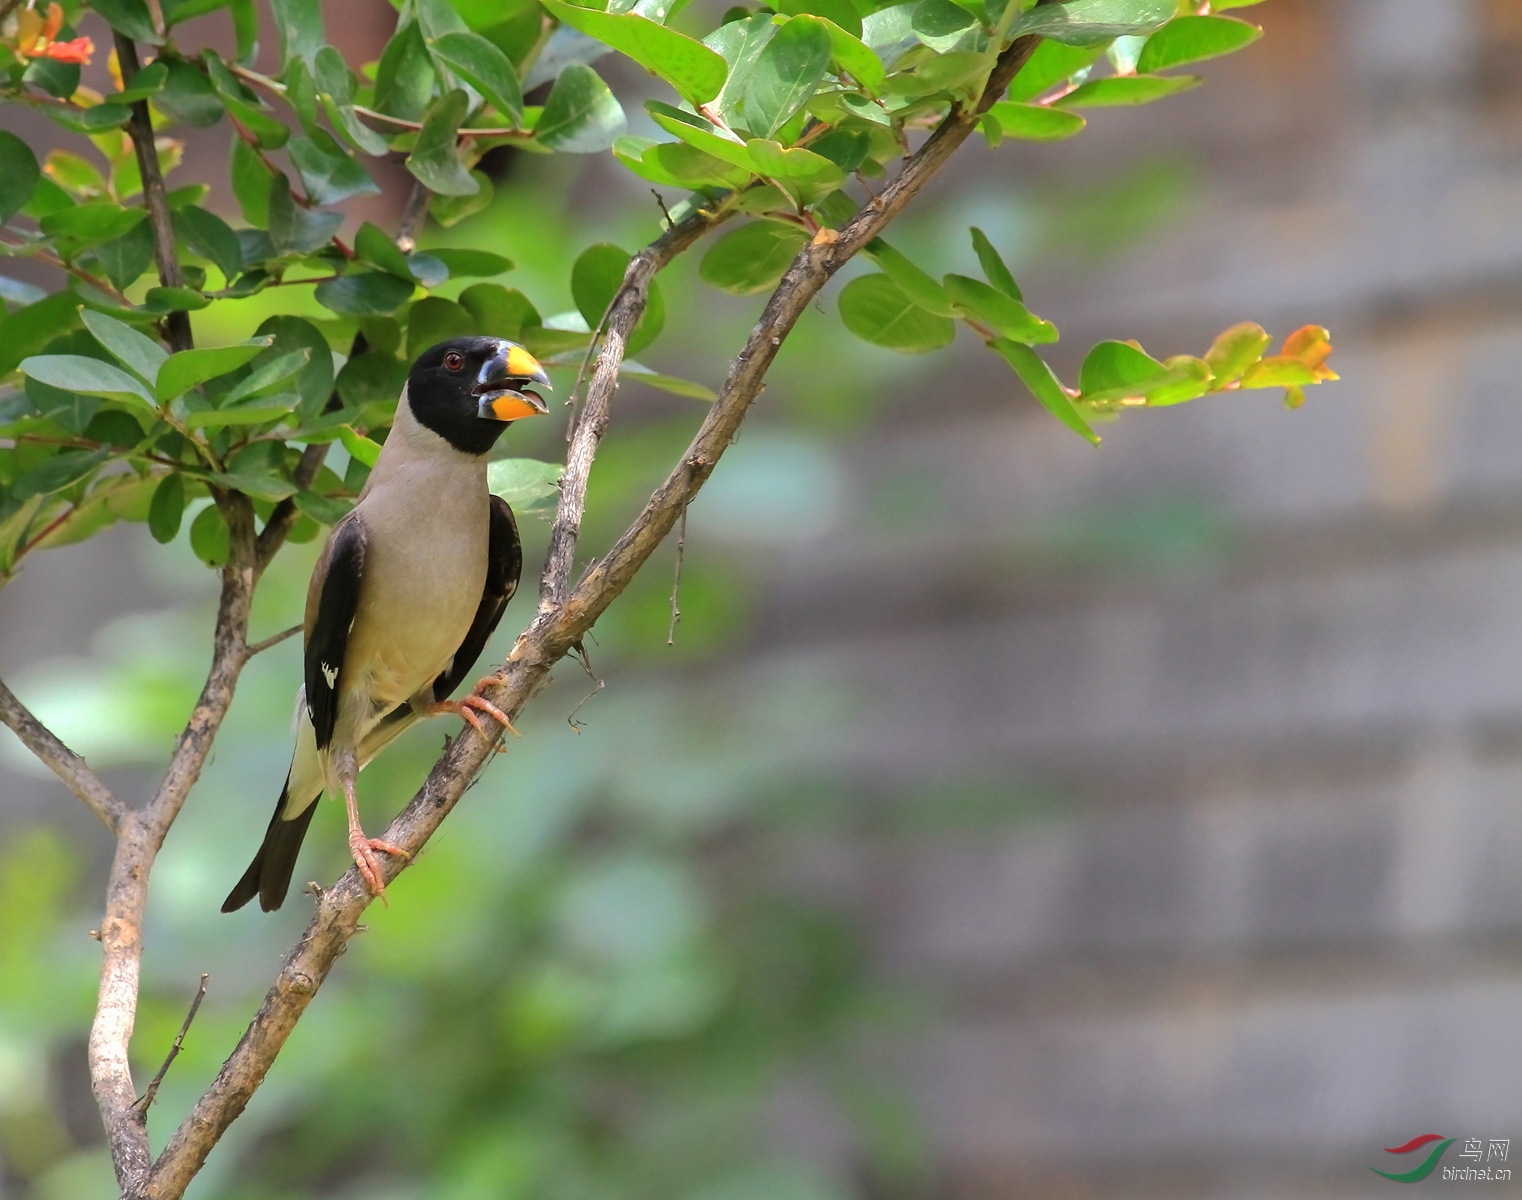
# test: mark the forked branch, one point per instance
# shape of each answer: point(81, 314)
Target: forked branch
point(565, 614)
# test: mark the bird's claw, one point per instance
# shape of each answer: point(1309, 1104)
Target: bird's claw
point(363, 849)
point(480, 703)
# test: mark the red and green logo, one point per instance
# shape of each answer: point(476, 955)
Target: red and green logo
point(1428, 1165)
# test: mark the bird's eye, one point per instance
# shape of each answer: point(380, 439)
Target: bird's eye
point(454, 360)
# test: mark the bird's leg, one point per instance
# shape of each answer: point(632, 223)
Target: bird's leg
point(475, 701)
point(363, 848)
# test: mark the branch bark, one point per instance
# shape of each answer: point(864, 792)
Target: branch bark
point(140, 128)
point(62, 761)
point(565, 614)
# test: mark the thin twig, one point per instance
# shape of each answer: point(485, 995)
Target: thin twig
point(676, 579)
point(260, 647)
point(665, 212)
point(63, 762)
point(174, 1050)
point(155, 200)
point(413, 213)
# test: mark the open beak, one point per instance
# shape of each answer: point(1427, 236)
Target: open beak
point(502, 388)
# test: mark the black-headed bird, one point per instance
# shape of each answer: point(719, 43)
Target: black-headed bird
point(407, 589)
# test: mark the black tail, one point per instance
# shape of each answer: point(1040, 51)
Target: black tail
point(269, 875)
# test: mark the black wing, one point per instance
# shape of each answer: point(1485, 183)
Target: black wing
point(329, 636)
point(504, 566)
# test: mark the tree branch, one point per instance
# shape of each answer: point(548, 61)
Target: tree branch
point(140, 837)
point(559, 625)
point(62, 761)
point(140, 127)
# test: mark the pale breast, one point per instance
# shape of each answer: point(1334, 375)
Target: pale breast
point(426, 513)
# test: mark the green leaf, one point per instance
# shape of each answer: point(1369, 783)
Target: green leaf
point(211, 237)
point(299, 23)
point(740, 43)
point(268, 375)
point(846, 148)
point(1085, 22)
point(701, 133)
point(251, 181)
point(365, 293)
point(1234, 350)
point(98, 221)
point(451, 210)
point(1191, 378)
point(322, 509)
point(167, 508)
point(1127, 89)
point(209, 538)
point(465, 263)
point(485, 68)
point(404, 76)
point(88, 376)
point(30, 329)
point(581, 115)
point(190, 368)
point(944, 26)
point(993, 266)
point(498, 311)
point(328, 174)
point(146, 84)
point(695, 71)
point(139, 353)
point(243, 106)
point(1044, 386)
point(433, 320)
point(840, 13)
point(912, 281)
point(805, 176)
point(127, 257)
point(523, 481)
point(293, 228)
point(19, 173)
point(63, 470)
point(129, 17)
point(1004, 314)
point(292, 335)
point(426, 269)
point(1035, 122)
point(1193, 39)
point(1278, 370)
point(173, 299)
point(77, 175)
point(248, 414)
point(667, 383)
point(371, 379)
point(435, 160)
point(188, 96)
point(876, 310)
point(1119, 371)
point(595, 279)
point(374, 245)
point(336, 89)
point(360, 447)
point(786, 73)
point(752, 258)
point(854, 56)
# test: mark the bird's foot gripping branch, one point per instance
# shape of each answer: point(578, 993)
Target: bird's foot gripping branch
point(805, 131)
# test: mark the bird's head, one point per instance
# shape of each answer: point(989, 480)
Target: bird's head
point(468, 389)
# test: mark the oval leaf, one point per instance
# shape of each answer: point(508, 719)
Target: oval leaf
point(876, 310)
point(695, 71)
point(581, 116)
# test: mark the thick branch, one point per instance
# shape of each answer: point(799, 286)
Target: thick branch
point(140, 837)
point(140, 127)
point(559, 626)
point(623, 314)
point(62, 761)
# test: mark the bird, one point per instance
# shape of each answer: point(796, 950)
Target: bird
point(408, 587)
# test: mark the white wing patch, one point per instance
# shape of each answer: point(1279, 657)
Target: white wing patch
point(330, 674)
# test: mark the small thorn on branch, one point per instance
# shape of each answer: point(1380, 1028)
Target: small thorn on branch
point(179, 1040)
point(676, 582)
point(665, 212)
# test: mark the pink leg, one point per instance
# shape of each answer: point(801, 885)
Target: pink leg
point(363, 848)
